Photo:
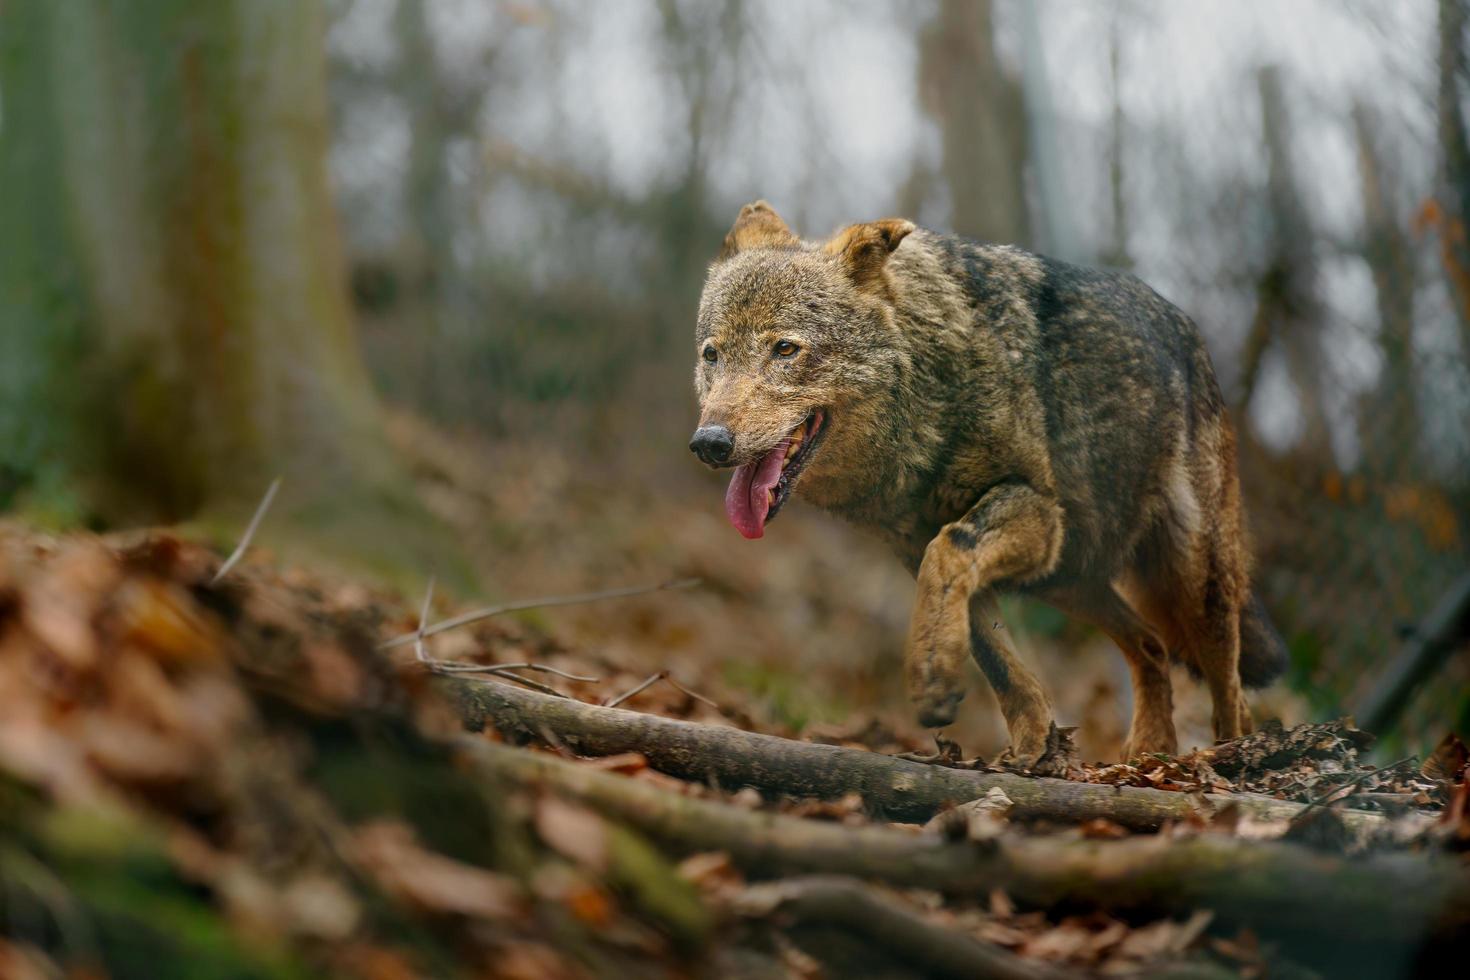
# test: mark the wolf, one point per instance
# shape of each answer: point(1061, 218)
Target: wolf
point(1007, 423)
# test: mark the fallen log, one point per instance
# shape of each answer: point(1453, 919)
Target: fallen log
point(887, 929)
point(894, 789)
point(1378, 910)
point(883, 928)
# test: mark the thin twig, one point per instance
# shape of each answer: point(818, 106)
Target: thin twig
point(452, 668)
point(557, 745)
point(693, 694)
point(1350, 785)
point(637, 690)
point(474, 616)
point(419, 647)
point(239, 552)
point(524, 681)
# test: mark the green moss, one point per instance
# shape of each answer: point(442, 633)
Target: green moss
point(653, 885)
point(791, 698)
point(95, 886)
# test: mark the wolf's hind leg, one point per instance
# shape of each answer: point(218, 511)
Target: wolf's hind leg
point(1011, 534)
point(1217, 651)
point(1152, 728)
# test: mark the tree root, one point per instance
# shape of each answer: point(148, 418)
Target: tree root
point(1387, 908)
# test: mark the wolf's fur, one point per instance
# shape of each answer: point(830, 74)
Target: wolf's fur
point(1006, 422)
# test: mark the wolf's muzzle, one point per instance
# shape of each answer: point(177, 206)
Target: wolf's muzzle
point(713, 444)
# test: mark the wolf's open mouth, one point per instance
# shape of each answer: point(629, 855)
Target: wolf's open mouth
point(760, 487)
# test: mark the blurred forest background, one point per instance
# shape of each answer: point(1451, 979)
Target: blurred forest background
point(436, 261)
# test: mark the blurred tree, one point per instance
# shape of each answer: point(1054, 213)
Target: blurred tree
point(442, 111)
point(1388, 418)
point(1289, 312)
point(1454, 183)
point(981, 118)
point(177, 327)
point(1115, 253)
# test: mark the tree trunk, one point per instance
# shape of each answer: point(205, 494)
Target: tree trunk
point(1289, 312)
point(1388, 415)
point(1454, 145)
point(978, 108)
point(177, 326)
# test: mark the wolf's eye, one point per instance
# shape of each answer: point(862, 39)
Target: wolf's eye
point(709, 353)
point(785, 348)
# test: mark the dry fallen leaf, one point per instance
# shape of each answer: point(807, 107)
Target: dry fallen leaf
point(1001, 905)
point(163, 620)
point(435, 883)
point(1101, 828)
point(982, 819)
point(1059, 943)
point(573, 831)
point(709, 869)
point(1448, 760)
point(624, 762)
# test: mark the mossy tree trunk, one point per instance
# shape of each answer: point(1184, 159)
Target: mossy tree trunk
point(177, 328)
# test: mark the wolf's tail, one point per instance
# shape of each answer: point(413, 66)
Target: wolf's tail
point(1262, 652)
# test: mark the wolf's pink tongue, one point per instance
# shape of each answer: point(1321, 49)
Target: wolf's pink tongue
point(749, 498)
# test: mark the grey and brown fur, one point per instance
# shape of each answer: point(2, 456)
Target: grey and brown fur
point(1008, 423)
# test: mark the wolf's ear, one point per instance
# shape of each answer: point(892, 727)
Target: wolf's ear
point(757, 226)
point(864, 249)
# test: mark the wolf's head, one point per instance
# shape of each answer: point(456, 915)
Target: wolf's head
point(795, 357)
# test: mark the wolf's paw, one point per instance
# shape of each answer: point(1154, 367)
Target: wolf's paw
point(1156, 744)
point(1028, 741)
point(937, 708)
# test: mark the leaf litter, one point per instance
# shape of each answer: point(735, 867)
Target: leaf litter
point(281, 777)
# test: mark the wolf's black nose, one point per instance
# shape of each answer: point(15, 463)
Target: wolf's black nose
point(713, 444)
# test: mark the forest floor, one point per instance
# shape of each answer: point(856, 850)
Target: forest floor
point(235, 778)
point(804, 627)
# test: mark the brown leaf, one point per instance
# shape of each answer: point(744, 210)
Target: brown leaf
point(1001, 905)
point(1106, 939)
point(589, 904)
point(373, 961)
point(1164, 937)
point(1002, 934)
point(319, 906)
point(1062, 942)
point(709, 869)
point(624, 762)
point(61, 604)
point(576, 833)
point(335, 676)
point(22, 961)
point(1448, 760)
point(435, 883)
point(134, 753)
point(1101, 828)
point(164, 620)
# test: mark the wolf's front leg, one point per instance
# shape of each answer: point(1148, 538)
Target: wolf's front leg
point(1013, 534)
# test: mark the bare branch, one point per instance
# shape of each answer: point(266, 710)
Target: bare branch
point(652, 680)
point(419, 647)
point(517, 678)
point(239, 552)
point(474, 616)
point(452, 668)
point(693, 694)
